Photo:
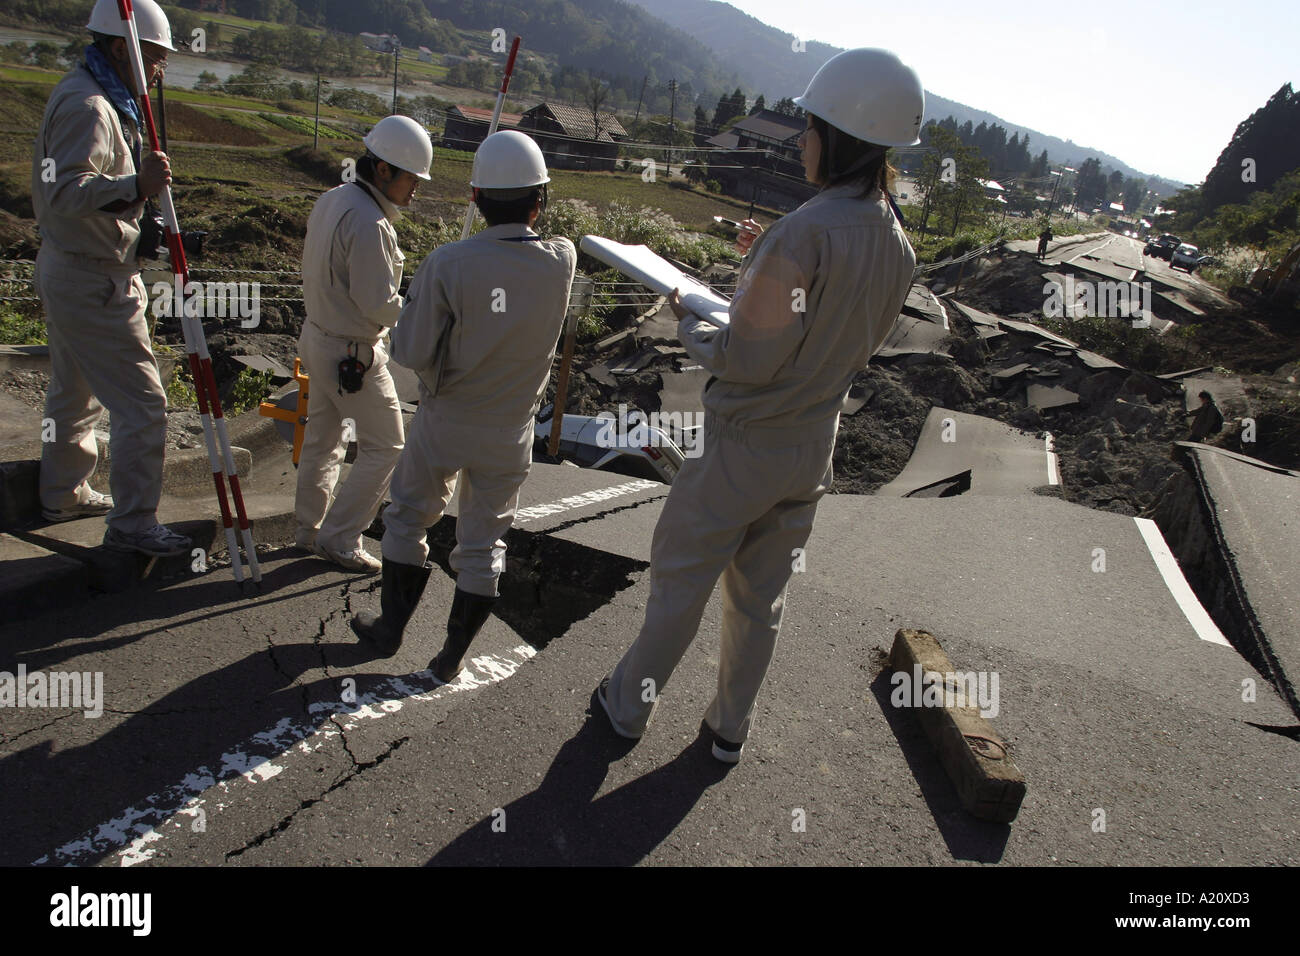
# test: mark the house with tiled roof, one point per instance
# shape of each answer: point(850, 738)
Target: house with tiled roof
point(467, 126)
point(570, 137)
point(758, 158)
point(574, 138)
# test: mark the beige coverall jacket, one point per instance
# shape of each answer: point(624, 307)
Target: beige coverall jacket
point(94, 300)
point(500, 298)
point(815, 299)
point(351, 273)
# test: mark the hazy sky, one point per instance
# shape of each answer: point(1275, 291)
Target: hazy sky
point(1160, 85)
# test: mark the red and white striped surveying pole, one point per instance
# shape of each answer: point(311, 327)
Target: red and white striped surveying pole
point(196, 345)
point(492, 128)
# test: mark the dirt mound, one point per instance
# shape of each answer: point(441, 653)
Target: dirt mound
point(16, 190)
point(321, 166)
point(280, 225)
point(19, 238)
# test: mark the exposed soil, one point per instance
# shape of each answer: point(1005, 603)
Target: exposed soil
point(1114, 444)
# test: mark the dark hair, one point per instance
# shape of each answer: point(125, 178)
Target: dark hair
point(498, 212)
point(1205, 395)
point(366, 168)
point(842, 160)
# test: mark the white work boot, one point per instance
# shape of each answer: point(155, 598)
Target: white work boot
point(358, 560)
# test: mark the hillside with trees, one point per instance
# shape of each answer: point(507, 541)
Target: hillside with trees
point(1248, 210)
point(769, 62)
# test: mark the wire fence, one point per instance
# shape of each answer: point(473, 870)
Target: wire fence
point(616, 292)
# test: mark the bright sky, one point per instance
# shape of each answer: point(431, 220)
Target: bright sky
point(1160, 85)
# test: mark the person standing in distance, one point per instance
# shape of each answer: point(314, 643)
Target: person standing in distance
point(816, 296)
point(90, 179)
point(480, 327)
point(351, 273)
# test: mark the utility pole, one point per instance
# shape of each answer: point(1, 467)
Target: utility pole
point(315, 137)
point(397, 49)
point(644, 81)
point(672, 124)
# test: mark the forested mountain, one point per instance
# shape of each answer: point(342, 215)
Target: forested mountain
point(617, 41)
point(710, 48)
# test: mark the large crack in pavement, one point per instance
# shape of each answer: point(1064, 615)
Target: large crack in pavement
point(287, 821)
point(6, 739)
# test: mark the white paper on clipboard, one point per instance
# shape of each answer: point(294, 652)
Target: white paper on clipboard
point(660, 276)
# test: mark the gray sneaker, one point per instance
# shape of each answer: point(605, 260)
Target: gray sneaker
point(95, 504)
point(157, 542)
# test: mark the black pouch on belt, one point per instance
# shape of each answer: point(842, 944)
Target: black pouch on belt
point(153, 233)
point(351, 371)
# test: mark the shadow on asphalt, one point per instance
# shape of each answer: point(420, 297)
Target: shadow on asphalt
point(967, 837)
point(199, 729)
point(66, 792)
point(560, 824)
point(218, 595)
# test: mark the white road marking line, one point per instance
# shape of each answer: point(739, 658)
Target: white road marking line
point(1192, 608)
point(581, 501)
point(139, 830)
point(1053, 476)
point(1091, 251)
point(942, 310)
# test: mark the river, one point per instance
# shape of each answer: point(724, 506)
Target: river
point(183, 69)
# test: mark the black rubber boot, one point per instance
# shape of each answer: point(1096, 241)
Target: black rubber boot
point(402, 586)
point(468, 613)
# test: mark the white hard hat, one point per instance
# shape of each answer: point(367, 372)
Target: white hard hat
point(508, 160)
point(869, 94)
point(150, 22)
point(402, 142)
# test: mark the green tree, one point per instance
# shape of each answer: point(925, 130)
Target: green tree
point(948, 182)
point(1091, 184)
point(45, 55)
point(786, 107)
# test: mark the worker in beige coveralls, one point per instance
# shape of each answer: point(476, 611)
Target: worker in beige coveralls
point(480, 327)
point(816, 297)
point(90, 178)
point(351, 274)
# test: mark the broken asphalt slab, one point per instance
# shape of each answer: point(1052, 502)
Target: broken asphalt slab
point(1147, 725)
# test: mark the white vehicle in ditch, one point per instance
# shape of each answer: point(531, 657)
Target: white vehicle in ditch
point(643, 450)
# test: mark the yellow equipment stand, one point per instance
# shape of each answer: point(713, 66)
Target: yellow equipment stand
point(290, 414)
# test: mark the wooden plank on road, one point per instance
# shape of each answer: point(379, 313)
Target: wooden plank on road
point(976, 759)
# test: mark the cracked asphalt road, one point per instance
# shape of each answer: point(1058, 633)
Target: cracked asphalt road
point(255, 731)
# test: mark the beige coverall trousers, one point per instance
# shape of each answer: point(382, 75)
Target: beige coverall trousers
point(376, 418)
point(100, 357)
point(492, 463)
point(739, 512)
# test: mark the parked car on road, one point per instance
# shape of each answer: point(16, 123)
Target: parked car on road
point(1186, 256)
point(1162, 247)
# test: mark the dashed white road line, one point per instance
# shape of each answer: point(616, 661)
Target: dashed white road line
point(1192, 608)
point(136, 834)
point(582, 500)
